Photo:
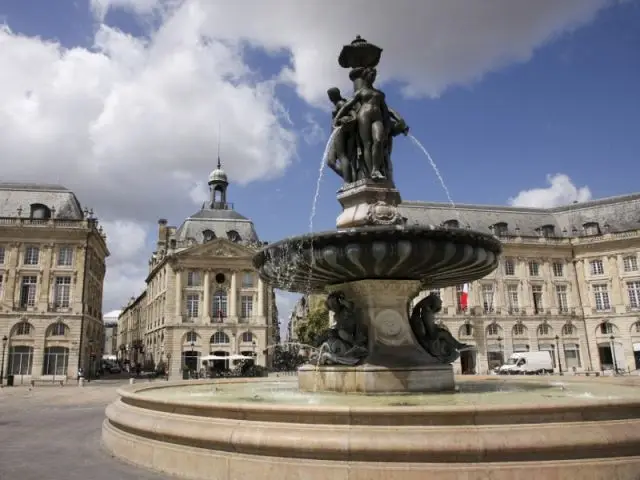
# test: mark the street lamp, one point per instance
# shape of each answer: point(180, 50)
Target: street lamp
point(254, 351)
point(613, 354)
point(192, 350)
point(500, 351)
point(4, 345)
point(168, 365)
point(558, 354)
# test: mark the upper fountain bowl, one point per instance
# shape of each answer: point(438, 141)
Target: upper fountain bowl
point(438, 257)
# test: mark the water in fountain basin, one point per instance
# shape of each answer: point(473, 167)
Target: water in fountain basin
point(490, 391)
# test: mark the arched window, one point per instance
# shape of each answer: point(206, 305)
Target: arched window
point(40, 211)
point(208, 235)
point(607, 328)
point(493, 330)
point(451, 224)
point(192, 337)
point(635, 328)
point(519, 330)
point(234, 236)
point(58, 329)
point(247, 337)
point(568, 330)
point(544, 330)
point(20, 360)
point(501, 229)
point(547, 231)
point(591, 228)
point(466, 330)
point(23, 328)
point(219, 305)
point(219, 337)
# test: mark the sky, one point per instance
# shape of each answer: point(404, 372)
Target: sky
point(127, 101)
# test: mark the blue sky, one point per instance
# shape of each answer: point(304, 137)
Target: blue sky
point(573, 107)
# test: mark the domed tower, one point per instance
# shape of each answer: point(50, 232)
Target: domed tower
point(218, 184)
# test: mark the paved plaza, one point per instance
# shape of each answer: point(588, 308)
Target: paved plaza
point(53, 433)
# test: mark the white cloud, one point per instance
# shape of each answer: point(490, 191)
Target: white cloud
point(429, 45)
point(131, 123)
point(561, 191)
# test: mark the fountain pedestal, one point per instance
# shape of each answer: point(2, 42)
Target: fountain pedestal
point(396, 362)
point(367, 202)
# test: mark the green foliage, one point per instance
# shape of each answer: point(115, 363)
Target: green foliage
point(287, 358)
point(310, 330)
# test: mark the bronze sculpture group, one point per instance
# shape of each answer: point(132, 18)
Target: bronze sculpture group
point(364, 126)
point(360, 149)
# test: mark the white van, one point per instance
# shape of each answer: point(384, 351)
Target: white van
point(527, 363)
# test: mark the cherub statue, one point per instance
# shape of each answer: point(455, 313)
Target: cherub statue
point(436, 340)
point(346, 342)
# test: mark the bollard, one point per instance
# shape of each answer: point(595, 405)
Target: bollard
point(81, 382)
point(132, 381)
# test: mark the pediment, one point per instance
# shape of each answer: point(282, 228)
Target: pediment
point(220, 247)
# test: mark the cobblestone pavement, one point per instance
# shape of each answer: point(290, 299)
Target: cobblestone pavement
point(53, 433)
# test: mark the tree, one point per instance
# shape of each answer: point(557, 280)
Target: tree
point(287, 358)
point(309, 331)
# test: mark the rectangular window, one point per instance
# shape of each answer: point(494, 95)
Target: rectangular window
point(572, 355)
point(65, 256)
point(247, 280)
point(534, 269)
point(1, 286)
point(633, 289)
point(62, 292)
point(536, 291)
point(561, 295)
point(246, 306)
point(601, 296)
point(193, 279)
point(509, 267)
point(512, 299)
point(2, 255)
point(193, 306)
point(28, 291)
point(31, 256)
point(596, 267)
point(558, 269)
point(630, 263)
point(487, 298)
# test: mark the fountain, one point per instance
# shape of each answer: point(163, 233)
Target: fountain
point(379, 399)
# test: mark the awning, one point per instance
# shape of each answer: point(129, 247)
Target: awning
point(225, 357)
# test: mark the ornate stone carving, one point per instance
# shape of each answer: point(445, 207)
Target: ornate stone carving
point(381, 213)
point(346, 342)
point(436, 340)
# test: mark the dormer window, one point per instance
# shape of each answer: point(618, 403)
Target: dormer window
point(451, 224)
point(208, 235)
point(234, 236)
point(40, 212)
point(547, 231)
point(501, 229)
point(591, 228)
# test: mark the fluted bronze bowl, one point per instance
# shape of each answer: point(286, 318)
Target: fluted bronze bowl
point(437, 256)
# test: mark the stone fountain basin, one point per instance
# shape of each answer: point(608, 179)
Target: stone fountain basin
point(436, 256)
point(582, 439)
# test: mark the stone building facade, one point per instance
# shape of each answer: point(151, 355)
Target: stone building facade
point(203, 296)
point(568, 283)
point(52, 268)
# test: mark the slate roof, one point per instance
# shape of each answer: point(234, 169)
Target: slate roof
point(14, 196)
point(621, 213)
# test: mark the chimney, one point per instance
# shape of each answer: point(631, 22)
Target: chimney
point(162, 234)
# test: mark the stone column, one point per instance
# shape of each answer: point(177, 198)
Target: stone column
point(206, 308)
point(617, 298)
point(233, 296)
point(260, 312)
point(178, 311)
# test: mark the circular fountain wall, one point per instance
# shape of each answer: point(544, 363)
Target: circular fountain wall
point(525, 428)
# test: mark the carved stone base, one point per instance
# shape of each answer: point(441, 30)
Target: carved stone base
point(396, 362)
point(367, 203)
point(373, 379)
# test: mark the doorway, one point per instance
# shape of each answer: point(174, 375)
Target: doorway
point(468, 362)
